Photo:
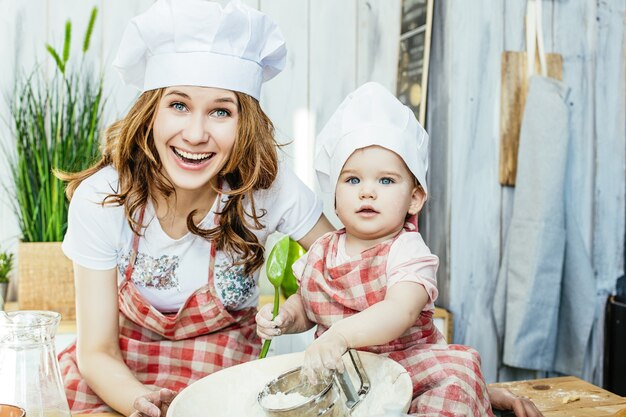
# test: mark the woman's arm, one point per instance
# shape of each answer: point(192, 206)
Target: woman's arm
point(503, 399)
point(98, 354)
point(322, 226)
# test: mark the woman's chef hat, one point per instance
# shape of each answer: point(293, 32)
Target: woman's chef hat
point(371, 115)
point(201, 43)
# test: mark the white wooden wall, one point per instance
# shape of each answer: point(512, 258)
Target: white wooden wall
point(335, 45)
point(469, 212)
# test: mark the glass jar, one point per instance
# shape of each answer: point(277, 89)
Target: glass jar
point(29, 370)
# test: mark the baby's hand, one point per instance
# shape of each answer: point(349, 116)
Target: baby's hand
point(267, 328)
point(324, 355)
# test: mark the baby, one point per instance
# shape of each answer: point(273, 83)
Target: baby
point(372, 285)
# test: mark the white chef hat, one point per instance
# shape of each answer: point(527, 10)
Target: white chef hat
point(201, 43)
point(371, 115)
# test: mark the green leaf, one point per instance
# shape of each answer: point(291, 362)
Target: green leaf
point(92, 21)
point(277, 261)
point(6, 265)
point(56, 57)
point(56, 125)
point(67, 41)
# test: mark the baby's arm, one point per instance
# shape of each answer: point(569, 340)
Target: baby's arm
point(291, 318)
point(386, 320)
point(376, 325)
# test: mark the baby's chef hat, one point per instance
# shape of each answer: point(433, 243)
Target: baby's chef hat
point(371, 115)
point(201, 43)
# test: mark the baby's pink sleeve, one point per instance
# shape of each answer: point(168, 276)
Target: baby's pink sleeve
point(298, 267)
point(410, 260)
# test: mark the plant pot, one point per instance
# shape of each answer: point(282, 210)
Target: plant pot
point(4, 292)
point(45, 279)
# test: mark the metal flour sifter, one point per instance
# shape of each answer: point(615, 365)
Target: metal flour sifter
point(335, 397)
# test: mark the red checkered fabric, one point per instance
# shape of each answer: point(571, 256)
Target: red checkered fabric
point(169, 350)
point(447, 380)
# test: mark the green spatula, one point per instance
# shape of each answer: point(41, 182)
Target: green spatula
point(275, 270)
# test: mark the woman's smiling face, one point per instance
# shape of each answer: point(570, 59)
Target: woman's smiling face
point(194, 133)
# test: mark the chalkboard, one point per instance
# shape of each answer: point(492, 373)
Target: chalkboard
point(416, 23)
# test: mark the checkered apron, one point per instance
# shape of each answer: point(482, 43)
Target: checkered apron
point(169, 350)
point(447, 380)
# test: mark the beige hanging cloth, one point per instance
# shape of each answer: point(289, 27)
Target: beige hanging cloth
point(516, 70)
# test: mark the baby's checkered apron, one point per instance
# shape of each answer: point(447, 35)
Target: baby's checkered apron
point(169, 350)
point(447, 380)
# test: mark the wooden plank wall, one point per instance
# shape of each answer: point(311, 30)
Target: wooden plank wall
point(469, 213)
point(334, 46)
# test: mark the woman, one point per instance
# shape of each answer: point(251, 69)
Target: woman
point(166, 231)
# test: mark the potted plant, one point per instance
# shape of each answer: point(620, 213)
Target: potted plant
point(56, 123)
point(6, 266)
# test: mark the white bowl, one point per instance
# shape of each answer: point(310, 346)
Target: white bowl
point(234, 391)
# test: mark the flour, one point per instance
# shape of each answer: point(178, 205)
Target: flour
point(281, 401)
point(382, 391)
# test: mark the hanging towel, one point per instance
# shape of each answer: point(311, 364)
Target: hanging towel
point(528, 292)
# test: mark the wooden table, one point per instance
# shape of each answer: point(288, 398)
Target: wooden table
point(549, 394)
point(98, 415)
point(568, 396)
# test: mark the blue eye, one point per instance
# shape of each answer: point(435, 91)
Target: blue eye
point(179, 106)
point(353, 180)
point(386, 181)
point(221, 113)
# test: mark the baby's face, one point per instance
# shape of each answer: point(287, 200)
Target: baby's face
point(375, 191)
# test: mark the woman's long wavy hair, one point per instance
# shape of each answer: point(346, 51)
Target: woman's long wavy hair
point(253, 165)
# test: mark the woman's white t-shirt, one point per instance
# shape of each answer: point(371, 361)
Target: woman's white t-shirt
point(167, 271)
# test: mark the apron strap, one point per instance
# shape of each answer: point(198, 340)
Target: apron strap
point(216, 222)
point(411, 223)
point(133, 252)
point(534, 38)
point(135, 247)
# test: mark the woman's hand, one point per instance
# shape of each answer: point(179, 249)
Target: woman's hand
point(324, 355)
point(154, 404)
point(503, 399)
